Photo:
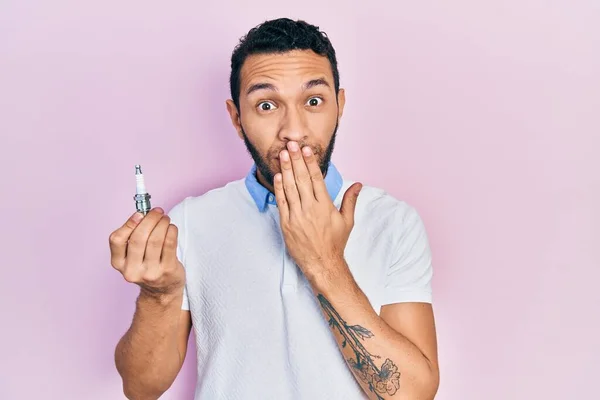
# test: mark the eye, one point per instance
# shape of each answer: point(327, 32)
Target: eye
point(266, 106)
point(314, 101)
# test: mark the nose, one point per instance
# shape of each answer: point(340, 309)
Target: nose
point(293, 126)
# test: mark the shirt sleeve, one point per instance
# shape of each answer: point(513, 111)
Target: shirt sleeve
point(410, 273)
point(177, 215)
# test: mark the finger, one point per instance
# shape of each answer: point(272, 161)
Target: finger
point(282, 205)
point(118, 240)
point(156, 241)
point(169, 249)
point(349, 203)
point(139, 238)
point(316, 176)
point(301, 175)
point(289, 182)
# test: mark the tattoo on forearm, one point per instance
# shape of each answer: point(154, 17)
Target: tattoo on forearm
point(384, 380)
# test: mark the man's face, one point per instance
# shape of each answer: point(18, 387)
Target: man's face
point(286, 97)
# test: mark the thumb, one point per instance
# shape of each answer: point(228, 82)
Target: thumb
point(349, 202)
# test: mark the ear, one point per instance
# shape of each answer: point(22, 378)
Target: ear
point(235, 117)
point(341, 102)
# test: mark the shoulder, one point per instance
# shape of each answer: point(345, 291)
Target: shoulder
point(377, 203)
point(212, 202)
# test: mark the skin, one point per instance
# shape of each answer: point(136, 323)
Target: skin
point(306, 116)
point(392, 355)
point(151, 353)
point(290, 136)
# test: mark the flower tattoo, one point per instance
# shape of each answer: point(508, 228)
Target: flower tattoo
point(384, 380)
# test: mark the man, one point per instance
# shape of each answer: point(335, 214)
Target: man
point(297, 286)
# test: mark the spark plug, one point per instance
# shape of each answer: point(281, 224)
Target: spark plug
point(141, 197)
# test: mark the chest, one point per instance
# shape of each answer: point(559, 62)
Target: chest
point(243, 274)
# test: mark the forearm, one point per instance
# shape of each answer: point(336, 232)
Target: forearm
point(147, 356)
point(386, 364)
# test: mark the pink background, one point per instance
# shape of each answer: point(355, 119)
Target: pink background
point(483, 115)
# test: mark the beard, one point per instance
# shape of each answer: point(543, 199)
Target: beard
point(268, 172)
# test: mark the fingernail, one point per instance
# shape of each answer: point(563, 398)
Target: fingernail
point(159, 210)
point(137, 217)
point(307, 151)
point(285, 156)
point(293, 146)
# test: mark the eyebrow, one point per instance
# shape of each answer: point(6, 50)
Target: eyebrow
point(268, 86)
point(315, 82)
point(261, 86)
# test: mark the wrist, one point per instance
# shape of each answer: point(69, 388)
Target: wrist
point(325, 275)
point(163, 297)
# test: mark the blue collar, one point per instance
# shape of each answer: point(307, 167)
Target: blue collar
point(262, 196)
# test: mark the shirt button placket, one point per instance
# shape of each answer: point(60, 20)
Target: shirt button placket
point(289, 270)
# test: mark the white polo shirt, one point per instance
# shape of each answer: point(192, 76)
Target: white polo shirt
point(259, 329)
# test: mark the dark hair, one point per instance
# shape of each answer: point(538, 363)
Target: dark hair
point(280, 36)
